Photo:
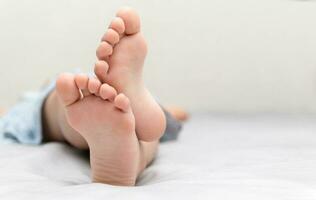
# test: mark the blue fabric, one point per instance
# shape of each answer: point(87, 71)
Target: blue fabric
point(23, 123)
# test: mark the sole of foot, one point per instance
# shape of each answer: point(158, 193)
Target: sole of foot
point(105, 120)
point(121, 57)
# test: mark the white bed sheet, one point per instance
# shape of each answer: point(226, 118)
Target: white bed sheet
point(217, 157)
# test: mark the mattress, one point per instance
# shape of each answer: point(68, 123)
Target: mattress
point(216, 157)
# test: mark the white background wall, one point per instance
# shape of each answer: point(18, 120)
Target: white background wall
point(215, 55)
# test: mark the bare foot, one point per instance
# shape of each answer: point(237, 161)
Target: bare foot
point(178, 113)
point(122, 53)
point(105, 120)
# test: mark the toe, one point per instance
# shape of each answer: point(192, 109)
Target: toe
point(81, 81)
point(117, 24)
point(131, 20)
point(111, 36)
point(94, 86)
point(104, 50)
point(100, 69)
point(107, 92)
point(67, 89)
point(122, 102)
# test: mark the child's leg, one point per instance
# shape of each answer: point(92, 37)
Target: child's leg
point(115, 157)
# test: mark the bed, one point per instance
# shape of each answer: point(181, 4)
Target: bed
point(217, 157)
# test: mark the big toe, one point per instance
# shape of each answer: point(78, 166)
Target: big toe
point(131, 20)
point(67, 89)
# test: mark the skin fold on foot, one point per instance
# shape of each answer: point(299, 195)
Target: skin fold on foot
point(121, 55)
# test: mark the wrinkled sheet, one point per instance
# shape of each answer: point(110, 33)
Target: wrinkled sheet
point(216, 157)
